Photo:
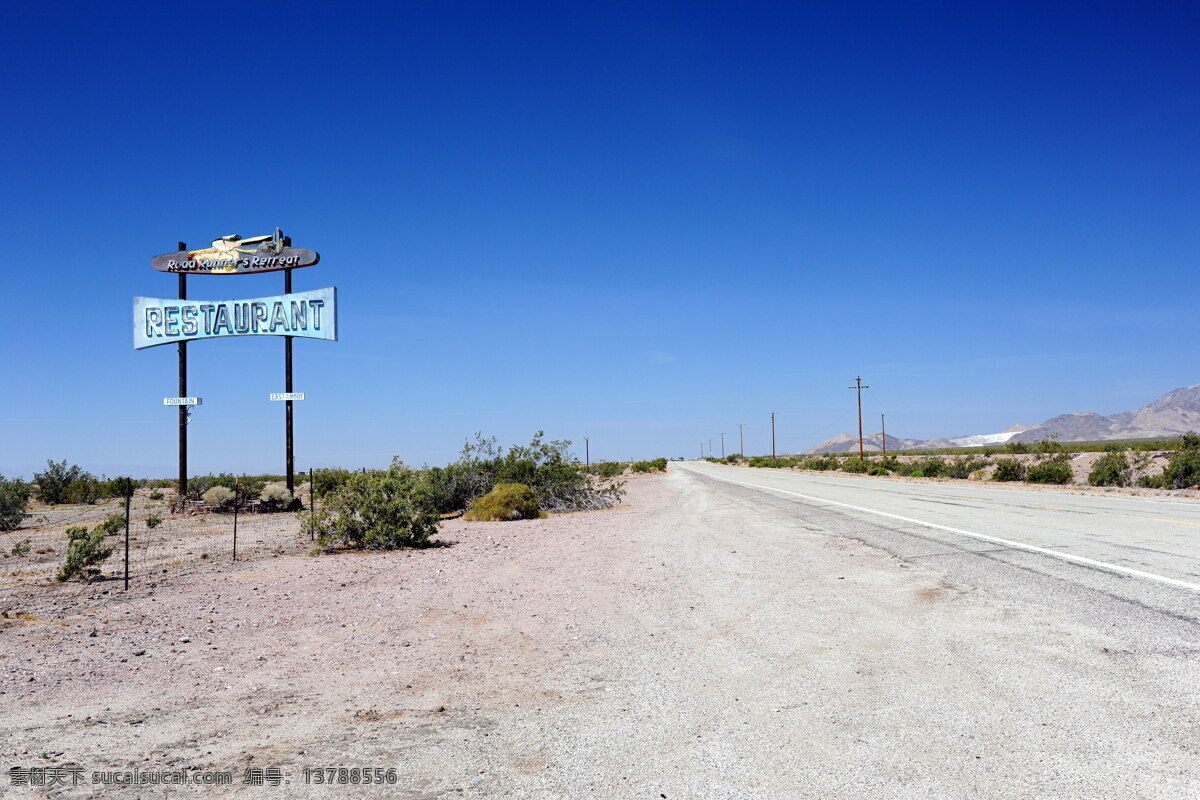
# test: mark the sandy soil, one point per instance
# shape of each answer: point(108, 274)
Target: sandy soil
point(695, 643)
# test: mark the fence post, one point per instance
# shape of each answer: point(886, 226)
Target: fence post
point(312, 509)
point(128, 501)
point(237, 499)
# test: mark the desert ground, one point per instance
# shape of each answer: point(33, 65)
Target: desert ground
point(702, 641)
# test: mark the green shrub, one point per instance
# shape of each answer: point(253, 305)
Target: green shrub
point(1008, 469)
point(1016, 448)
point(657, 465)
point(21, 548)
point(558, 479)
point(218, 498)
point(1049, 446)
point(1182, 470)
point(84, 552)
point(52, 484)
point(1111, 469)
point(153, 521)
point(856, 465)
point(930, 467)
point(156, 495)
point(916, 473)
point(508, 501)
point(84, 490)
point(963, 466)
point(14, 499)
point(1053, 471)
point(878, 469)
point(328, 479)
point(114, 524)
point(733, 458)
point(381, 510)
point(1153, 482)
point(610, 469)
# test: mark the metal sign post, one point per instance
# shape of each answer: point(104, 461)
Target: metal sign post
point(287, 388)
point(183, 412)
point(311, 315)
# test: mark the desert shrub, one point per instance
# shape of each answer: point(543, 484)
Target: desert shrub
point(1053, 471)
point(160, 483)
point(610, 469)
point(779, 462)
point(878, 470)
point(153, 521)
point(21, 548)
point(1183, 467)
point(156, 495)
point(14, 499)
point(930, 467)
point(856, 465)
point(218, 497)
point(656, 465)
point(197, 486)
point(114, 524)
point(1153, 481)
point(52, 484)
point(963, 466)
point(84, 552)
point(733, 458)
point(381, 510)
point(276, 496)
point(556, 476)
point(1050, 446)
point(84, 490)
point(508, 501)
point(329, 479)
point(1111, 469)
point(1016, 447)
point(1008, 469)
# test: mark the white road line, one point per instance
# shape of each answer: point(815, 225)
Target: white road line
point(1195, 587)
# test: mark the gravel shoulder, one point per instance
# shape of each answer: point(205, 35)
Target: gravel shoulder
point(698, 642)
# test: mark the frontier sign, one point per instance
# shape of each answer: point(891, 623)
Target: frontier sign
point(311, 315)
point(233, 255)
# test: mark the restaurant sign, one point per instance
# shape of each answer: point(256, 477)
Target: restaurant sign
point(233, 255)
point(310, 315)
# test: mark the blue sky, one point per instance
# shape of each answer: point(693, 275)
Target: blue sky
point(643, 223)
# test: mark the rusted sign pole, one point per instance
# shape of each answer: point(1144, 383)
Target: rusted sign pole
point(183, 410)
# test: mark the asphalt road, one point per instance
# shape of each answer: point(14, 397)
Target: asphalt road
point(1154, 540)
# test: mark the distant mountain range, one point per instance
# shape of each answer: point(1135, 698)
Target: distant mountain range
point(1170, 415)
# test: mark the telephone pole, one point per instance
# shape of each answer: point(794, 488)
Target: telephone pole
point(722, 445)
point(710, 448)
point(587, 452)
point(773, 434)
point(859, 387)
point(742, 440)
point(702, 451)
point(883, 433)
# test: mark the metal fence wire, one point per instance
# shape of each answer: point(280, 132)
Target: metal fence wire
point(34, 552)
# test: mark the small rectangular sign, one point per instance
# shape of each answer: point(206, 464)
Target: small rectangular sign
point(311, 315)
point(287, 395)
point(183, 401)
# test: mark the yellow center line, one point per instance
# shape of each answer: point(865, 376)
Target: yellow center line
point(1178, 522)
point(1056, 508)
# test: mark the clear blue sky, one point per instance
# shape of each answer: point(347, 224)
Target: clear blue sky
point(640, 222)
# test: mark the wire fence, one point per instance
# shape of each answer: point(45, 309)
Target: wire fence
point(159, 543)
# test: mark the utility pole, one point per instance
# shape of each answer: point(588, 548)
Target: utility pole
point(587, 452)
point(702, 451)
point(742, 440)
point(710, 448)
point(722, 445)
point(883, 433)
point(773, 434)
point(859, 387)
point(183, 410)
